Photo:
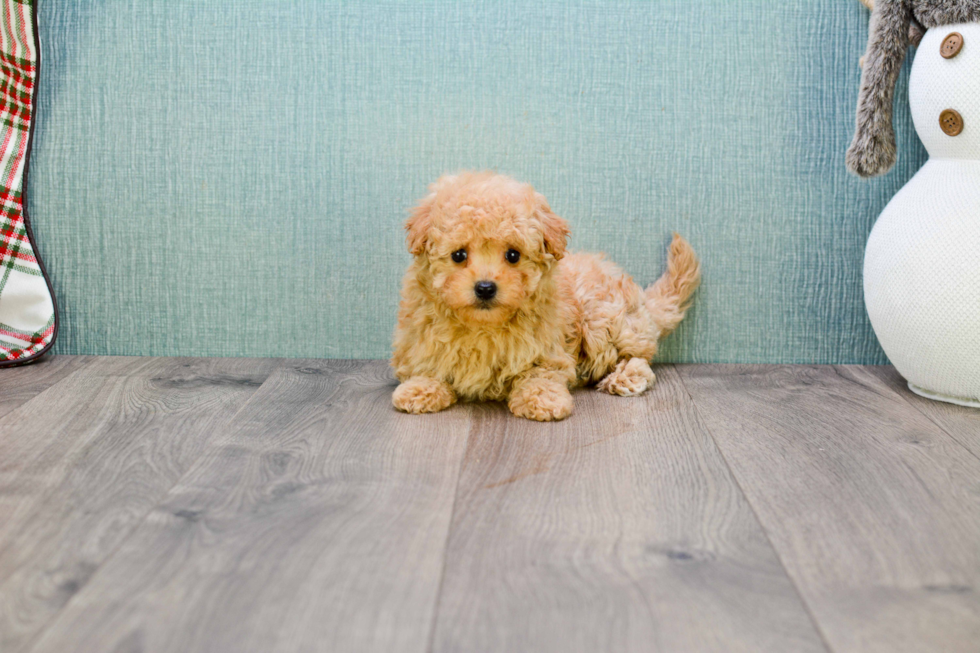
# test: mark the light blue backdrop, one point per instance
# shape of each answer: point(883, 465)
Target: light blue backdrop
point(231, 178)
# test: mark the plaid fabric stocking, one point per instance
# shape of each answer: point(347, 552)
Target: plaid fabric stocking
point(27, 311)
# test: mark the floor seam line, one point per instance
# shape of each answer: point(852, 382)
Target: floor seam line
point(755, 513)
point(137, 524)
point(449, 531)
point(908, 402)
point(81, 367)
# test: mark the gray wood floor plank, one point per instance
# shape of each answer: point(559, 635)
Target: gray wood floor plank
point(317, 522)
point(961, 423)
point(874, 510)
point(83, 462)
point(619, 529)
point(18, 385)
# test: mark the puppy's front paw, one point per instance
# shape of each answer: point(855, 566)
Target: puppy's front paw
point(421, 394)
point(543, 400)
point(631, 377)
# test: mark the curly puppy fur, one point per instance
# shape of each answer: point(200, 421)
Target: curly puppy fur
point(872, 152)
point(555, 321)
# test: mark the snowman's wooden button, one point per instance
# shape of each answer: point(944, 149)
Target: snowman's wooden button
point(951, 122)
point(951, 45)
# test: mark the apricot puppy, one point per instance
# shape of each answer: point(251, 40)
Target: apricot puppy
point(493, 309)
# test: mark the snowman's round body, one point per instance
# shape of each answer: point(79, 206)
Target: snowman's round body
point(922, 264)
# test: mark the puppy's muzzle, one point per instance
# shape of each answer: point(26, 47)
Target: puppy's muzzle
point(485, 290)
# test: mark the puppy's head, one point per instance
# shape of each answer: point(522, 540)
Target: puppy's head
point(486, 244)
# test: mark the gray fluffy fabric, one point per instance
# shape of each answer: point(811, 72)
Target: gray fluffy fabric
point(872, 152)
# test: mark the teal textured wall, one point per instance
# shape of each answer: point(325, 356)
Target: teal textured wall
point(231, 178)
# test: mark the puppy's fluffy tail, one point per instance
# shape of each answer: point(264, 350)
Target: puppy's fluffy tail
point(668, 298)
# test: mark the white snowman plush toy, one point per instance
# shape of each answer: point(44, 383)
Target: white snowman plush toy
point(922, 264)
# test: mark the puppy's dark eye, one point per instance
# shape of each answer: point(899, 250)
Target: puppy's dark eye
point(512, 256)
point(459, 256)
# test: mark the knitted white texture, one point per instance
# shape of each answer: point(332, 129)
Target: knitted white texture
point(937, 84)
point(922, 264)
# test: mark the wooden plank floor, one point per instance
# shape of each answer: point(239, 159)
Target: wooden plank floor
point(256, 505)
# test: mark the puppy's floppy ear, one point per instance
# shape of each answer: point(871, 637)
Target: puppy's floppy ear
point(554, 229)
point(418, 225)
point(420, 221)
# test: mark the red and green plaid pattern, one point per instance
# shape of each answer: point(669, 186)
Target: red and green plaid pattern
point(27, 322)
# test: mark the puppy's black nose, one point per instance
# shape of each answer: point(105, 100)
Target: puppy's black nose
point(485, 290)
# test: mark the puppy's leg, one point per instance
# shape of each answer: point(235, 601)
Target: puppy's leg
point(422, 394)
point(630, 377)
point(541, 395)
